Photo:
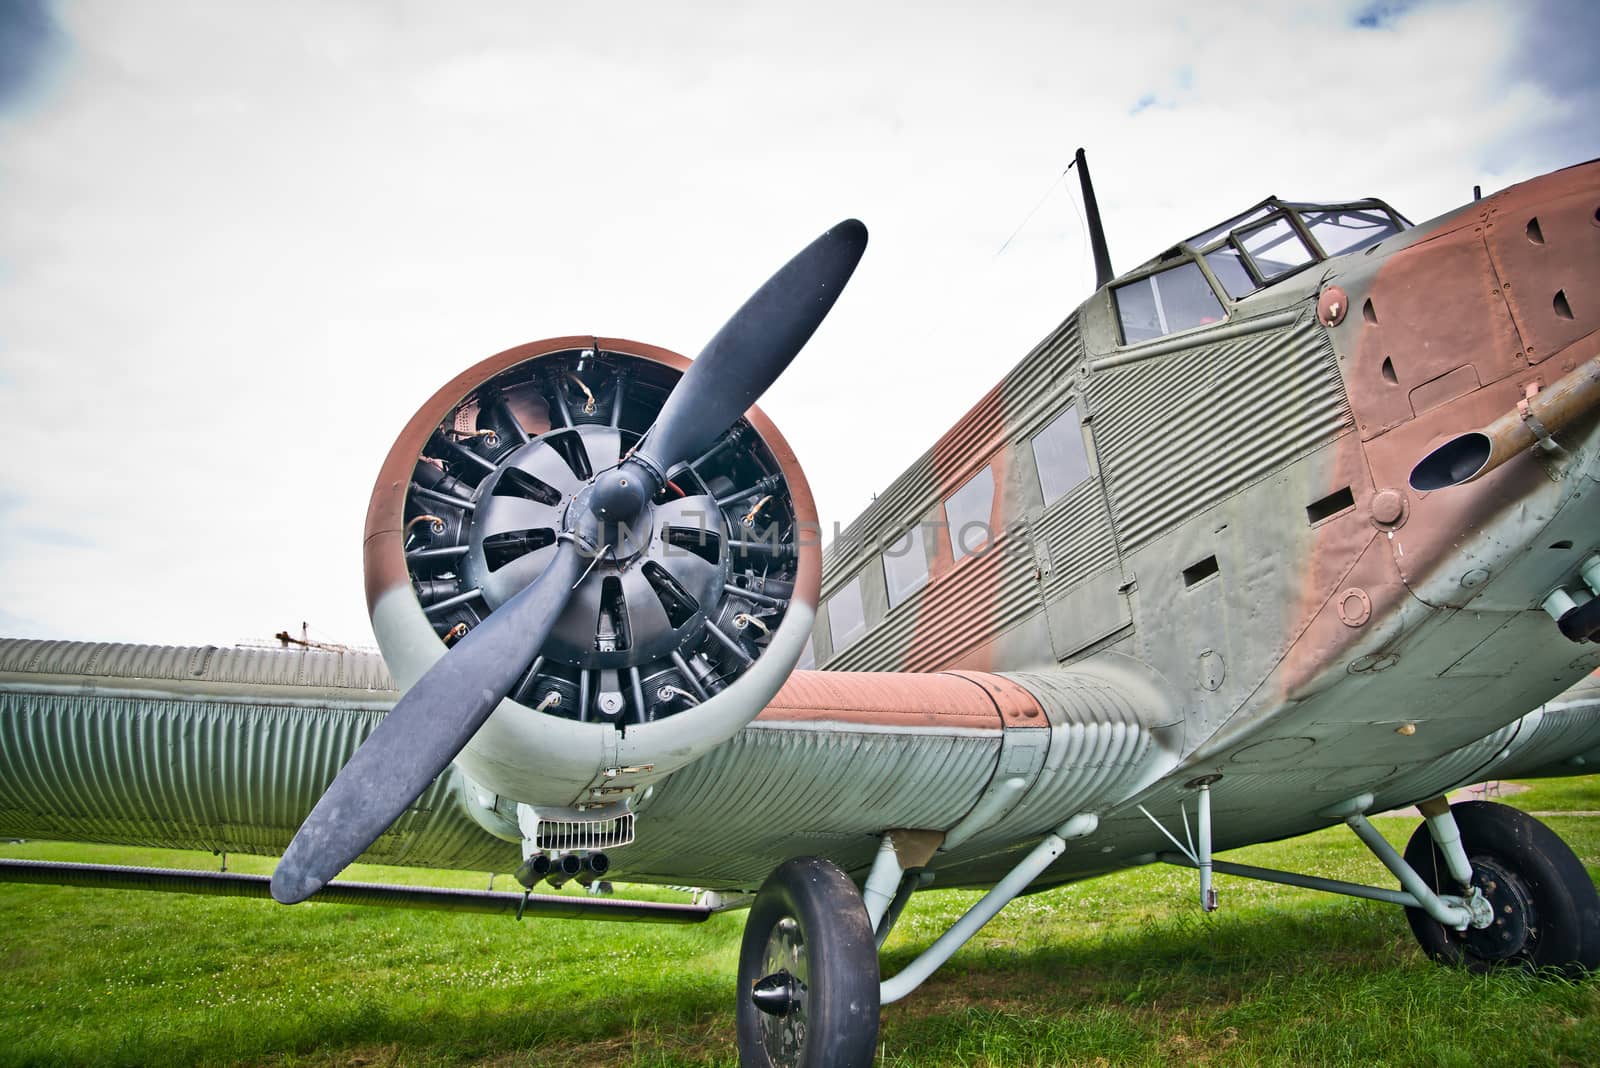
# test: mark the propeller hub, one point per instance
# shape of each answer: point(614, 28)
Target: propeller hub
point(620, 540)
point(621, 495)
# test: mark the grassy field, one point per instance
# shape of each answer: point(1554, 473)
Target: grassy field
point(1123, 970)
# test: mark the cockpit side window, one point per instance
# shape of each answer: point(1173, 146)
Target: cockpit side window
point(1227, 263)
point(1275, 248)
point(1178, 298)
point(1341, 230)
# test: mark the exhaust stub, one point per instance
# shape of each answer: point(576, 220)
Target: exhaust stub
point(1541, 414)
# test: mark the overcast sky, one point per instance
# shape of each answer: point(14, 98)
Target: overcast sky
point(240, 244)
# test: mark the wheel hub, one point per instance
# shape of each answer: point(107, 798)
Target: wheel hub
point(787, 969)
point(777, 994)
point(1514, 926)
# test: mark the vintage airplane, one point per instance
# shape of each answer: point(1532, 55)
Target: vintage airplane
point(1290, 524)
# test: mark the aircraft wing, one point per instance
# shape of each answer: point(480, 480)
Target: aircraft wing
point(226, 749)
point(204, 748)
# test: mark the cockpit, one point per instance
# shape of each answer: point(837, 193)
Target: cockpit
point(1195, 282)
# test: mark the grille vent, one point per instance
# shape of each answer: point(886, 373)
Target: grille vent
point(571, 836)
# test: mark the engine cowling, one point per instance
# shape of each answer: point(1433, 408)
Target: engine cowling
point(681, 629)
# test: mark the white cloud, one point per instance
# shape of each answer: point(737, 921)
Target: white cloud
point(239, 245)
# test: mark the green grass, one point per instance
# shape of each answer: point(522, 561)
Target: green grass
point(1579, 794)
point(1123, 970)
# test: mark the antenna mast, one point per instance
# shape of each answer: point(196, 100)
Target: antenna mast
point(1097, 231)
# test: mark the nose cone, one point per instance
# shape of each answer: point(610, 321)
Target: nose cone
point(620, 495)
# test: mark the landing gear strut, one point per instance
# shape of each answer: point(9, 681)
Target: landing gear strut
point(808, 972)
point(1546, 910)
point(1483, 886)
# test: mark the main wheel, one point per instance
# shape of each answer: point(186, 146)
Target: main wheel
point(1546, 910)
point(808, 972)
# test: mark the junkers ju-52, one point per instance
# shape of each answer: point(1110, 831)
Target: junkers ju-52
point(1293, 523)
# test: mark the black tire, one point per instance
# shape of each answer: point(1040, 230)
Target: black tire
point(808, 919)
point(1547, 913)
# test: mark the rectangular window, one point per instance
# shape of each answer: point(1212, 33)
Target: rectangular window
point(846, 620)
point(905, 566)
point(968, 511)
point(1178, 298)
point(1275, 248)
point(1060, 457)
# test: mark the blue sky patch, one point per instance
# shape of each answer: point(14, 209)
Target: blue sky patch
point(29, 42)
point(1381, 15)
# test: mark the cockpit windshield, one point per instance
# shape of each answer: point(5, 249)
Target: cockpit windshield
point(1248, 252)
point(1276, 238)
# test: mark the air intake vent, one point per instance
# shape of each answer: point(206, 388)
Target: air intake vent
point(1194, 574)
point(1331, 505)
point(572, 836)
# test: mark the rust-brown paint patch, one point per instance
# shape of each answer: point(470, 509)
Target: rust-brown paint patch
point(888, 699)
point(962, 601)
point(1017, 706)
point(1330, 553)
point(1545, 244)
point(1435, 322)
point(1447, 387)
point(1373, 590)
point(1437, 521)
point(1438, 308)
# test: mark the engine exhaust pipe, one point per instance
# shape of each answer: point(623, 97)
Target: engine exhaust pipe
point(594, 866)
point(530, 871)
point(1532, 422)
point(566, 866)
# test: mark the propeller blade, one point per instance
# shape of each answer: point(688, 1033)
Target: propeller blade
point(753, 348)
point(424, 731)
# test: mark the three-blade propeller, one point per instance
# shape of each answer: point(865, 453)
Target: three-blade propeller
point(436, 718)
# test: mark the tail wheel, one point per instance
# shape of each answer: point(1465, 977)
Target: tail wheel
point(808, 972)
point(1547, 913)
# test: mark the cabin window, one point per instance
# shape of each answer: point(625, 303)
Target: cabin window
point(1227, 263)
point(846, 620)
point(1060, 457)
point(1275, 248)
point(1178, 298)
point(967, 512)
point(905, 565)
point(1341, 230)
